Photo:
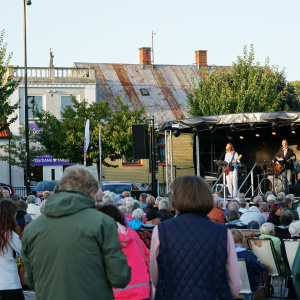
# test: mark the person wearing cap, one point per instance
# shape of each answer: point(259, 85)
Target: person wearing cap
point(153, 217)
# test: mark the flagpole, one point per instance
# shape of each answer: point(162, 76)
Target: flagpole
point(86, 140)
point(100, 155)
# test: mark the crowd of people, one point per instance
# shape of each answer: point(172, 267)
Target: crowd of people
point(85, 243)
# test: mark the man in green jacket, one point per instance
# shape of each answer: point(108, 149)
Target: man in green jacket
point(73, 251)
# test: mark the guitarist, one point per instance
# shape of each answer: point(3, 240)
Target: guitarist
point(232, 158)
point(288, 155)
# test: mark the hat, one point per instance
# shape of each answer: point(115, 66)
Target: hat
point(153, 214)
point(253, 225)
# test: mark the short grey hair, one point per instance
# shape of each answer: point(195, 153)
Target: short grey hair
point(280, 196)
point(266, 228)
point(136, 204)
point(233, 206)
point(150, 200)
point(78, 178)
point(271, 198)
point(128, 202)
point(290, 196)
point(163, 204)
point(264, 207)
point(294, 228)
point(31, 199)
point(257, 200)
point(123, 209)
point(106, 199)
point(158, 199)
point(138, 214)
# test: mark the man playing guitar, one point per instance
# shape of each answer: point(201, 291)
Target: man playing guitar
point(232, 158)
point(286, 158)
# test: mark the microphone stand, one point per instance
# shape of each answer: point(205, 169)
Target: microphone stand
point(273, 161)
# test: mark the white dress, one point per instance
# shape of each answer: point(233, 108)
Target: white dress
point(9, 278)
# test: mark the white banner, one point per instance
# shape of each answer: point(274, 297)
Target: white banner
point(86, 139)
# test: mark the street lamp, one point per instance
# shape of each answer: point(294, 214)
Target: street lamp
point(28, 2)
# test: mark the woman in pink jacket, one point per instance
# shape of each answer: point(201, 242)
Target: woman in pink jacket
point(138, 257)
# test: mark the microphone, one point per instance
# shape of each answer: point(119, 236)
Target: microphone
point(264, 165)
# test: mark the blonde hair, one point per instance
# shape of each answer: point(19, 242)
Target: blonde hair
point(46, 195)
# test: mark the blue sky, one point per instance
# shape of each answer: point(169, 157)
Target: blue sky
point(112, 31)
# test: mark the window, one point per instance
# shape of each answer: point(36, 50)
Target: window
point(34, 102)
point(144, 92)
point(161, 156)
point(131, 162)
point(64, 101)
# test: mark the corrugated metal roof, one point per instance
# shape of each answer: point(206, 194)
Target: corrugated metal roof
point(165, 83)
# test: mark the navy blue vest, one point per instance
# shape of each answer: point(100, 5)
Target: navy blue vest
point(192, 259)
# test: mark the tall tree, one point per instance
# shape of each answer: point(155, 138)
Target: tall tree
point(63, 138)
point(7, 86)
point(245, 87)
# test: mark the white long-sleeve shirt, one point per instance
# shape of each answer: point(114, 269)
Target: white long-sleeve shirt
point(9, 278)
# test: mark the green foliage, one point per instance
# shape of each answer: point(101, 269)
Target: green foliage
point(16, 149)
point(245, 87)
point(7, 87)
point(64, 138)
point(296, 85)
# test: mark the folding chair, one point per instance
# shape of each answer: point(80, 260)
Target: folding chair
point(246, 288)
point(265, 251)
point(291, 247)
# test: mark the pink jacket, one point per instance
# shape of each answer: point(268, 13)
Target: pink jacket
point(139, 287)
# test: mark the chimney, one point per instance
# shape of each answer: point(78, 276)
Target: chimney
point(201, 58)
point(145, 56)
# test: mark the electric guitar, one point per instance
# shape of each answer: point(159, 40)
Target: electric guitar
point(227, 169)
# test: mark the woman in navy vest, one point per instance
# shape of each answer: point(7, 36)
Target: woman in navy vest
point(192, 257)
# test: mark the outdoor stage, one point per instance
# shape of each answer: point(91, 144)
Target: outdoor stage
point(257, 136)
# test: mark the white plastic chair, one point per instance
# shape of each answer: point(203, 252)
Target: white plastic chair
point(265, 251)
point(291, 247)
point(246, 288)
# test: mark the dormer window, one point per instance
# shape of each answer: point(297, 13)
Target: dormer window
point(144, 92)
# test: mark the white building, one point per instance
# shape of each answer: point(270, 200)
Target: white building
point(52, 89)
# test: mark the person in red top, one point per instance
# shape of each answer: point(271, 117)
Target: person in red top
point(217, 214)
point(138, 257)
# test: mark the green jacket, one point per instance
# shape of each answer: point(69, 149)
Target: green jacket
point(73, 251)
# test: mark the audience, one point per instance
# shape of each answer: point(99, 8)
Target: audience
point(216, 214)
point(275, 213)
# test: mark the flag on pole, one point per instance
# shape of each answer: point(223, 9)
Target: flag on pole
point(86, 140)
point(100, 156)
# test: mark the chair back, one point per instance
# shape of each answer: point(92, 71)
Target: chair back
point(246, 289)
point(254, 232)
point(291, 247)
point(264, 250)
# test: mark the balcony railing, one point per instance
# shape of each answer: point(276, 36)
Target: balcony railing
point(52, 72)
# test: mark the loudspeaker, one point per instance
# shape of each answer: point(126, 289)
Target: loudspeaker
point(295, 189)
point(140, 141)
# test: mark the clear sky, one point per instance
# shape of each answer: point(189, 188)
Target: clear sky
point(112, 31)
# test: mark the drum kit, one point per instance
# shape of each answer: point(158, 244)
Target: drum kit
point(272, 179)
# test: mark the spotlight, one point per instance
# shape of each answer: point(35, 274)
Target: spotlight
point(252, 126)
point(274, 126)
point(232, 127)
point(229, 136)
point(176, 133)
point(195, 130)
point(257, 135)
point(241, 137)
point(293, 131)
point(293, 126)
point(212, 128)
point(274, 133)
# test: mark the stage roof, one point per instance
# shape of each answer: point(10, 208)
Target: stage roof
point(240, 120)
